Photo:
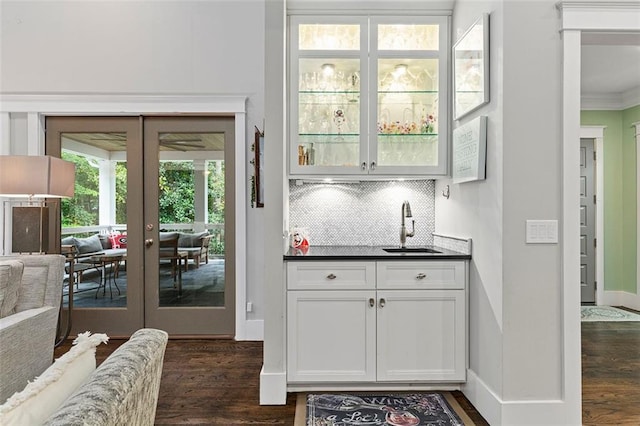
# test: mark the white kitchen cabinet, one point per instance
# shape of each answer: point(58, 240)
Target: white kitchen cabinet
point(368, 96)
point(421, 335)
point(405, 324)
point(331, 336)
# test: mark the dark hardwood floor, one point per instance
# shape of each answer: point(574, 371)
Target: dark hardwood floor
point(610, 373)
point(216, 382)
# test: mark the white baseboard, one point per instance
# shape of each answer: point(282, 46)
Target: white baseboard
point(522, 413)
point(622, 298)
point(273, 388)
point(482, 398)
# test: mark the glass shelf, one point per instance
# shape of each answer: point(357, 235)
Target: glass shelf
point(426, 92)
point(331, 135)
point(329, 92)
point(409, 136)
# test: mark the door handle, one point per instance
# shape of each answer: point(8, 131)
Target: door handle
point(363, 166)
point(421, 276)
point(331, 277)
point(148, 242)
point(372, 302)
point(382, 302)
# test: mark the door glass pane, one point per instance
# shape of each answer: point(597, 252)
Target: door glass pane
point(191, 213)
point(94, 220)
point(407, 112)
point(408, 37)
point(329, 112)
point(328, 37)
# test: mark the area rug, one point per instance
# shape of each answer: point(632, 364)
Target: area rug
point(606, 313)
point(393, 409)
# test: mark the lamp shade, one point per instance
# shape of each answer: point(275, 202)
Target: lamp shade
point(36, 176)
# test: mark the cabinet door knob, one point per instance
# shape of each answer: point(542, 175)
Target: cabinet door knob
point(363, 166)
point(331, 277)
point(372, 302)
point(373, 165)
point(421, 276)
point(382, 302)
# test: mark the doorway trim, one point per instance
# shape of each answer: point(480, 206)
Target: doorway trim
point(37, 106)
point(577, 17)
point(597, 134)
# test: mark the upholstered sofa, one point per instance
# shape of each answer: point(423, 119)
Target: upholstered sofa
point(92, 245)
point(195, 245)
point(30, 294)
point(123, 390)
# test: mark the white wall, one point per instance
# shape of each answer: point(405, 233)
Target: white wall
point(532, 99)
point(516, 320)
point(475, 209)
point(142, 47)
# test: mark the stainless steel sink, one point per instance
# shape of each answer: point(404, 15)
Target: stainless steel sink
point(411, 250)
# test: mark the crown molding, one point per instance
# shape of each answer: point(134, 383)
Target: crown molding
point(590, 15)
point(119, 104)
point(610, 102)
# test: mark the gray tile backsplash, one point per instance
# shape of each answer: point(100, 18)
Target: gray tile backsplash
point(362, 213)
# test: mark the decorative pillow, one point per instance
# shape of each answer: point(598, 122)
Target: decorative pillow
point(191, 240)
point(42, 397)
point(105, 241)
point(68, 241)
point(90, 244)
point(118, 240)
point(10, 279)
point(122, 240)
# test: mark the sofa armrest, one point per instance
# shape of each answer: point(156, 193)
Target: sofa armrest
point(124, 388)
point(41, 281)
point(26, 350)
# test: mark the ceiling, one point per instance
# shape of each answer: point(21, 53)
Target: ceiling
point(610, 65)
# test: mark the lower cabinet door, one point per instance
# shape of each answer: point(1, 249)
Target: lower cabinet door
point(331, 336)
point(421, 335)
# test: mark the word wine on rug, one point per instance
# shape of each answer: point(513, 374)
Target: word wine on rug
point(395, 410)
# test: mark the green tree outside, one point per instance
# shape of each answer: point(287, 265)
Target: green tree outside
point(176, 200)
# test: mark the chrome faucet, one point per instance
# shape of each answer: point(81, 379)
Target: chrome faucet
point(406, 212)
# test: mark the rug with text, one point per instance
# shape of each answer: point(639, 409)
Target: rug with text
point(388, 409)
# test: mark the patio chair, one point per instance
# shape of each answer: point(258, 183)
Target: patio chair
point(169, 251)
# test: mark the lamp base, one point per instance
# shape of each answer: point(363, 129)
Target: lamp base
point(30, 230)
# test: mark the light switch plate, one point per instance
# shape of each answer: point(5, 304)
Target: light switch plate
point(542, 232)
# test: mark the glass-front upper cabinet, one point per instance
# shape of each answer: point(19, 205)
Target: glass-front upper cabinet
point(368, 96)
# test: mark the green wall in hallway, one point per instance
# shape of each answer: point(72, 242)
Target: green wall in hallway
point(620, 245)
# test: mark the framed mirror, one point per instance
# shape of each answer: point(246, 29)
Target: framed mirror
point(471, 68)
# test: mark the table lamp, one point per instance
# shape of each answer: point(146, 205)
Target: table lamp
point(31, 177)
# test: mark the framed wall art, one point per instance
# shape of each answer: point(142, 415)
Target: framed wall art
point(470, 151)
point(471, 68)
point(257, 190)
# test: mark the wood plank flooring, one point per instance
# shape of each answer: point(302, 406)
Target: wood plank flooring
point(216, 382)
point(611, 373)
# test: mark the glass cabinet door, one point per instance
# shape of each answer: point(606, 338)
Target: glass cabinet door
point(328, 119)
point(409, 121)
point(366, 95)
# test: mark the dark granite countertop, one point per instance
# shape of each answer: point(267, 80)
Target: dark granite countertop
point(369, 253)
